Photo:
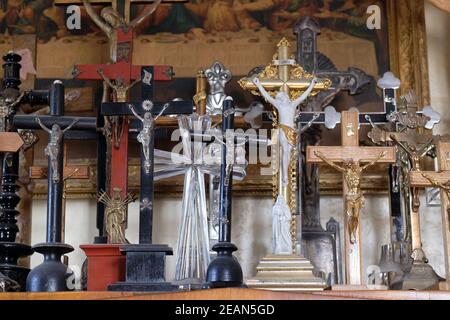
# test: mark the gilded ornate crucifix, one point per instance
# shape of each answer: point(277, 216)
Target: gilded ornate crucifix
point(285, 85)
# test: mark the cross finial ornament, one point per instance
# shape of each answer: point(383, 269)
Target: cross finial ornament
point(285, 75)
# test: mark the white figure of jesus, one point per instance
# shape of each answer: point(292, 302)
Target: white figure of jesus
point(282, 241)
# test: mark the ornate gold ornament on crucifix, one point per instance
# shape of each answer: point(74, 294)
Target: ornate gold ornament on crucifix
point(285, 85)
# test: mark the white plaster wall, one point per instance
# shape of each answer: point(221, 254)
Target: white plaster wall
point(251, 216)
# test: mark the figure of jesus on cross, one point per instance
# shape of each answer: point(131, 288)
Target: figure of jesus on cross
point(354, 200)
point(281, 213)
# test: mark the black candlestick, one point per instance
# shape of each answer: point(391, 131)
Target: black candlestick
point(10, 251)
point(225, 270)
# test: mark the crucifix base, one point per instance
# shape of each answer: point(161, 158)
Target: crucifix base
point(145, 269)
point(224, 271)
point(51, 275)
point(106, 265)
point(10, 252)
point(286, 273)
point(421, 277)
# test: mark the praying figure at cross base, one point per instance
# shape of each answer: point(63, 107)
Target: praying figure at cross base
point(115, 214)
point(354, 200)
point(281, 213)
point(148, 125)
point(52, 149)
point(110, 21)
point(443, 186)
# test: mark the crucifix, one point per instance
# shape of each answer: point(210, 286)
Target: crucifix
point(421, 275)
point(198, 158)
point(151, 109)
point(145, 262)
point(225, 270)
point(351, 155)
point(285, 85)
point(352, 80)
point(119, 75)
point(410, 125)
point(441, 180)
point(51, 275)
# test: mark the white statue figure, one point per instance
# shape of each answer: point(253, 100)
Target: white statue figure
point(286, 114)
point(282, 241)
point(281, 227)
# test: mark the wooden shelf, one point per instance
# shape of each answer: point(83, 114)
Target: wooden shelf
point(233, 294)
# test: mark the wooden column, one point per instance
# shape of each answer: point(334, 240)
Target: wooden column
point(443, 151)
point(353, 252)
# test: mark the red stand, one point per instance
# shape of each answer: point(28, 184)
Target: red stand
point(106, 265)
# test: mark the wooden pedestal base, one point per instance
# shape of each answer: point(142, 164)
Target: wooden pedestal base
point(421, 277)
point(106, 265)
point(145, 269)
point(286, 273)
point(361, 287)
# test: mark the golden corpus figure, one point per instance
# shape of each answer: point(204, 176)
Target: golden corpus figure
point(115, 215)
point(354, 200)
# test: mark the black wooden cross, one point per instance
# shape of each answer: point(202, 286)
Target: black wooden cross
point(123, 109)
point(51, 274)
point(225, 270)
point(145, 262)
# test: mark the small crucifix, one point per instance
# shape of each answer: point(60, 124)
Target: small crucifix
point(43, 277)
point(146, 113)
point(421, 179)
point(351, 154)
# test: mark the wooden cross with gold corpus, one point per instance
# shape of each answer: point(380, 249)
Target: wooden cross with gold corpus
point(421, 179)
point(351, 155)
point(285, 77)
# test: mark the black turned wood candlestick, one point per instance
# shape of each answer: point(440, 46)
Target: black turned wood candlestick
point(10, 251)
point(225, 270)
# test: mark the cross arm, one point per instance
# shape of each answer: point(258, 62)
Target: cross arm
point(122, 109)
point(69, 172)
point(119, 69)
point(29, 122)
point(418, 180)
point(362, 154)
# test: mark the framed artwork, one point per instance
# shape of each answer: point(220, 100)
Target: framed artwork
point(242, 34)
